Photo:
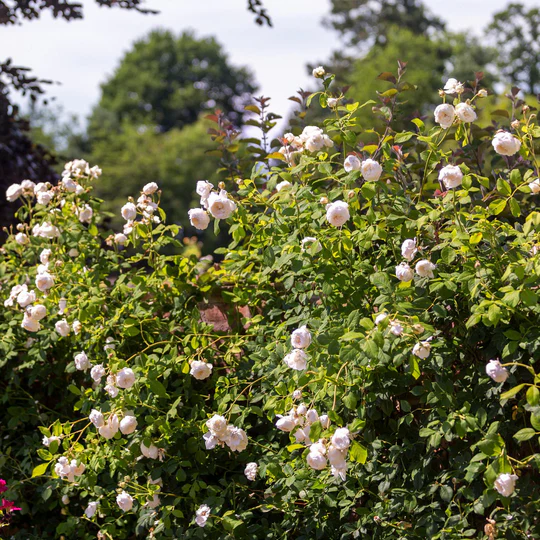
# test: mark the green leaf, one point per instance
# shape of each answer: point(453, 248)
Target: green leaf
point(512, 392)
point(358, 452)
point(414, 368)
point(503, 187)
point(403, 137)
point(315, 431)
point(525, 434)
point(533, 396)
point(496, 207)
point(157, 388)
point(515, 208)
point(40, 470)
point(528, 297)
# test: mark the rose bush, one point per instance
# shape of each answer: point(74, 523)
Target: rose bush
point(362, 362)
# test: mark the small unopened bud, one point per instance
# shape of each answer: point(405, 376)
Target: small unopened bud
point(418, 329)
point(221, 185)
point(20, 227)
point(525, 108)
point(515, 124)
point(441, 93)
point(482, 92)
point(351, 194)
point(323, 200)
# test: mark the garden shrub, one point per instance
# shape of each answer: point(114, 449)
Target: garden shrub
point(362, 362)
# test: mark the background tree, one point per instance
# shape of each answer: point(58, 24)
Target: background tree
point(516, 33)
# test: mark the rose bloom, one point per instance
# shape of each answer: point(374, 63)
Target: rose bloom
point(81, 361)
point(444, 115)
point(341, 439)
point(422, 349)
point(21, 239)
point(380, 318)
point(297, 359)
point(124, 501)
point(337, 213)
point(96, 417)
point(396, 328)
point(424, 268)
point(44, 281)
point(77, 327)
point(505, 143)
point(45, 255)
point(505, 484)
point(451, 176)
point(236, 439)
point(217, 425)
point(408, 249)
point(120, 239)
point(128, 424)
point(204, 188)
point(202, 514)
point(200, 370)
point(453, 86)
point(308, 241)
point(44, 197)
point(151, 452)
point(286, 423)
point(199, 218)
point(85, 214)
point(13, 192)
point(62, 327)
point(125, 378)
point(91, 509)
point(352, 163)
point(496, 371)
point(535, 186)
point(150, 188)
point(319, 72)
point(371, 170)
point(404, 272)
point(251, 471)
point(38, 312)
point(316, 461)
point(129, 211)
point(30, 324)
point(332, 102)
point(301, 338)
point(210, 440)
point(220, 206)
point(465, 112)
point(110, 429)
point(97, 372)
point(26, 297)
point(283, 185)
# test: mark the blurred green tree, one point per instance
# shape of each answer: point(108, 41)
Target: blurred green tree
point(167, 81)
point(516, 33)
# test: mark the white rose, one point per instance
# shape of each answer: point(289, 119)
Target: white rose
point(202, 514)
point(283, 185)
point(251, 471)
point(38, 312)
point(44, 256)
point(286, 423)
point(128, 424)
point(81, 361)
point(301, 338)
point(70, 185)
point(73, 252)
point(340, 471)
point(217, 425)
point(97, 372)
point(110, 429)
point(210, 440)
point(47, 230)
point(120, 239)
point(336, 456)
point(324, 419)
point(150, 188)
point(204, 188)
point(44, 197)
point(444, 115)
point(76, 326)
point(91, 509)
point(465, 112)
point(408, 249)
point(13, 192)
point(21, 239)
point(308, 241)
point(28, 187)
point(453, 86)
point(62, 327)
point(422, 349)
point(404, 272)
point(319, 72)
point(312, 416)
point(316, 461)
point(535, 186)
point(65, 499)
point(26, 297)
point(297, 359)
point(337, 213)
point(505, 143)
point(297, 394)
point(301, 410)
point(371, 170)
point(505, 484)
point(220, 206)
point(496, 371)
point(199, 218)
point(85, 214)
point(341, 438)
point(332, 102)
point(124, 501)
point(44, 281)
point(95, 172)
point(111, 390)
point(451, 176)
point(125, 378)
point(380, 318)
point(236, 439)
point(396, 328)
point(129, 211)
point(151, 452)
point(30, 324)
point(424, 268)
point(200, 370)
point(96, 417)
point(352, 163)
point(62, 304)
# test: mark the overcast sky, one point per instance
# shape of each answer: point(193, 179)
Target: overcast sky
point(81, 54)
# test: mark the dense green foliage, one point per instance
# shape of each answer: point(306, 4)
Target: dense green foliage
point(430, 432)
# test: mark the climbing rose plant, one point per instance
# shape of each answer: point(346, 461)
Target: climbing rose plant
point(361, 361)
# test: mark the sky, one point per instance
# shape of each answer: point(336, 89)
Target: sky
point(80, 55)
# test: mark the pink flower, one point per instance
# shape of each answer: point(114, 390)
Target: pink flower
point(3, 486)
point(8, 506)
